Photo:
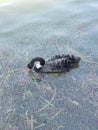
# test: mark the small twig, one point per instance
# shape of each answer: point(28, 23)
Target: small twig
point(32, 123)
point(44, 101)
point(87, 61)
point(56, 114)
point(5, 78)
point(48, 104)
point(43, 124)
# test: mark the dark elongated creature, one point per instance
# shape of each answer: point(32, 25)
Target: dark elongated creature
point(56, 64)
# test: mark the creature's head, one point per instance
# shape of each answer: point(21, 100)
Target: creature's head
point(37, 63)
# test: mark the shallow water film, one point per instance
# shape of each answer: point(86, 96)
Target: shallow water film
point(32, 101)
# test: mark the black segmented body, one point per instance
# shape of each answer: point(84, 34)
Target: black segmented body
point(58, 63)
